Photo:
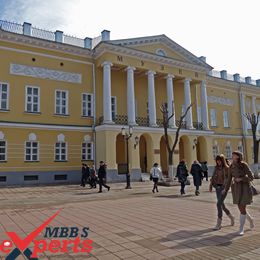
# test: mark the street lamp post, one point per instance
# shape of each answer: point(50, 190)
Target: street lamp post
point(127, 137)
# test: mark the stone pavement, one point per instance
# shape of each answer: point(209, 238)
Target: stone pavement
point(132, 224)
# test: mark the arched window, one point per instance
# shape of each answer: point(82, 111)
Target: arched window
point(215, 150)
point(32, 148)
point(61, 153)
point(3, 148)
point(228, 150)
point(161, 52)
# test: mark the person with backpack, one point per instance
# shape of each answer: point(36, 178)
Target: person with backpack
point(239, 179)
point(155, 174)
point(196, 172)
point(182, 174)
point(204, 167)
point(218, 181)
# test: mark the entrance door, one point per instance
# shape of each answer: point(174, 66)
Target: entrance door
point(143, 154)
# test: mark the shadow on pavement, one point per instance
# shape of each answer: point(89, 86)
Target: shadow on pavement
point(175, 196)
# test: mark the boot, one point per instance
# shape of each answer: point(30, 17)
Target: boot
point(251, 221)
point(232, 219)
point(242, 223)
point(218, 225)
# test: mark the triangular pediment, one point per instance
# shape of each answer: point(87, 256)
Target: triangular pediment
point(161, 45)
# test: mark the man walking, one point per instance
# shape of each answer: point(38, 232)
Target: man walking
point(83, 175)
point(196, 172)
point(102, 172)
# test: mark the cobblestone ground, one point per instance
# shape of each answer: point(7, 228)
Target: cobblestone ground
point(132, 224)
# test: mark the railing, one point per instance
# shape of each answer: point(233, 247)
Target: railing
point(183, 125)
point(11, 27)
point(217, 74)
point(198, 125)
point(142, 121)
point(43, 34)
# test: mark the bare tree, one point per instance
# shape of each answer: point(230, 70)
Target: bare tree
point(166, 120)
point(253, 119)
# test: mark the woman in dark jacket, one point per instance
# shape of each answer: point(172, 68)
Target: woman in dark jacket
point(197, 173)
point(239, 178)
point(218, 181)
point(182, 174)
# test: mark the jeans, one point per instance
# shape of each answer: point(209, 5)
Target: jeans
point(220, 201)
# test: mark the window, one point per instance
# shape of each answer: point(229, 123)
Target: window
point(61, 151)
point(215, 151)
point(32, 101)
point(4, 96)
point(2, 151)
point(213, 117)
point(226, 118)
point(228, 152)
point(199, 114)
point(31, 151)
point(161, 52)
point(61, 102)
point(87, 105)
point(87, 151)
point(240, 148)
point(113, 107)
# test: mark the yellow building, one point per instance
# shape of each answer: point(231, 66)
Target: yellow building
point(64, 100)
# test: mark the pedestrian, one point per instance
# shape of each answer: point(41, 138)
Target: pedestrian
point(240, 178)
point(93, 177)
point(182, 174)
point(218, 181)
point(204, 167)
point(196, 172)
point(102, 172)
point(155, 174)
point(83, 175)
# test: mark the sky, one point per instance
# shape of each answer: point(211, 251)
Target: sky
point(225, 31)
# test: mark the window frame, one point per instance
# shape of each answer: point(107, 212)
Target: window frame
point(215, 119)
point(66, 151)
point(86, 151)
point(32, 102)
point(5, 154)
point(86, 101)
point(226, 153)
point(67, 102)
point(215, 148)
point(115, 106)
point(226, 120)
point(7, 98)
point(31, 154)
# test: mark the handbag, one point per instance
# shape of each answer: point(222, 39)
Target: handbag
point(253, 189)
point(151, 177)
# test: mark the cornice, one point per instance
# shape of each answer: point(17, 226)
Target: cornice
point(44, 44)
point(126, 51)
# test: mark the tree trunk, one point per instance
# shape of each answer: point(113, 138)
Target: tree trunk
point(170, 165)
point(255, 148)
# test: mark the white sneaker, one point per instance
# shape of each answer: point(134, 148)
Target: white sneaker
point(242, 224)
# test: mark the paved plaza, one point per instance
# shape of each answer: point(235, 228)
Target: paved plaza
point(132, 224)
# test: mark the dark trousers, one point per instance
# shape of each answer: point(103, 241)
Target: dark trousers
point(155, 184)
point(220, 201)
point(93, 182)
point(102, 183)
point(83, 179)
point(182, 187)
point(206, 176)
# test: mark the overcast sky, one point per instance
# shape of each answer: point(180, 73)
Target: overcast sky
point(225, 31)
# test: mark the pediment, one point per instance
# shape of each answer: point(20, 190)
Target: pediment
point(161, 45)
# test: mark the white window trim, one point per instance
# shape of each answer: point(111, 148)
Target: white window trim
point(92, 104)
point(226, 148)
point(38, 151)
point(6, 145)
point(226, 119)
point(217, 150)
point(114, 97)
point(67, 102)
point(215, 121)
point(92, 151)
point(8, 96)
point(199, 116)
point(39, 99)
point(66, 154)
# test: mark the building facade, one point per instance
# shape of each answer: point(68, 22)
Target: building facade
point(64, 101)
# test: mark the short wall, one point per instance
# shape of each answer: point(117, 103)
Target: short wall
point(113, 176)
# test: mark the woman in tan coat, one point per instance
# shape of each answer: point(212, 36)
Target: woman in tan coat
point(239, 178)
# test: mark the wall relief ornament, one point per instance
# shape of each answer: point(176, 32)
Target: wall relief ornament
point(221, 100)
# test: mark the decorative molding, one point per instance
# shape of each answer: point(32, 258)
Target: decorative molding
point(61, 138)
point(221, 100)
point(2, 136)
point(32, 137)
point(87, 138)
point(44, 73)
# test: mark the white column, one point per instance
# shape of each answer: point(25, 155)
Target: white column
point(187, 95)
point(130, 96)
point(204, 105)
point(243, 112)
point(107, 113)
point(253, 105)
point(151, 99)
point(170, 99)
